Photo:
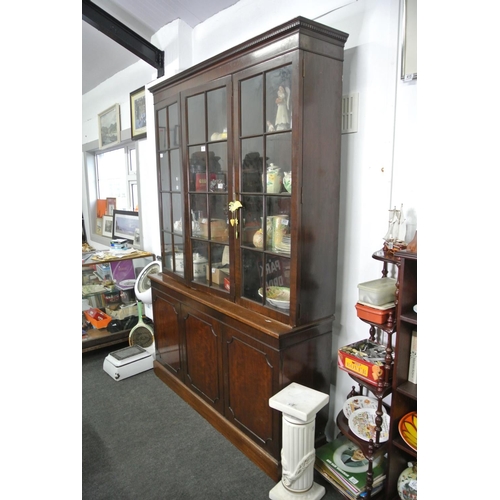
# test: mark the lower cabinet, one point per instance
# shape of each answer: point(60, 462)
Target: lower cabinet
point(227, 362)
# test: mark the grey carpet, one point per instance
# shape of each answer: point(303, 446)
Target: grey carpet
point(140, 441)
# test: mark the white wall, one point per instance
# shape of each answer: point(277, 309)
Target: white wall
point(378, 162)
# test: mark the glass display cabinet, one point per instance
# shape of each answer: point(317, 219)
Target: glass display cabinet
point(248, 155)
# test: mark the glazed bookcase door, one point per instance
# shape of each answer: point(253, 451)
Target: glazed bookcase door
point(207, 126)
point(263, 182)
point(170, 184)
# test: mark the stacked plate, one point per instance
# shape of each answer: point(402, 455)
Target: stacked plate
point(362, 419)
point(284, 245)
point(277, 296)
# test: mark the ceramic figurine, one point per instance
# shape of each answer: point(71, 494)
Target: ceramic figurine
point(282, 119)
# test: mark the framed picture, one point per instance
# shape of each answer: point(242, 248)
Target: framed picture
point(138, 113)
point(107, 226)
point(124, 224)
point(110, 205)
point(98, 226)
point(137, 239)
point(109, 127)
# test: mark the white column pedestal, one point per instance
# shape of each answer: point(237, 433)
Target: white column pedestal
point(299, 406)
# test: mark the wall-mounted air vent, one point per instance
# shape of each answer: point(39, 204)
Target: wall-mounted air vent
point(350, 113)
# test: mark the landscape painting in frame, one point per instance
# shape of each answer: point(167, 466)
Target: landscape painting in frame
point(109, 127)
point(124, 224)
point(138, 113)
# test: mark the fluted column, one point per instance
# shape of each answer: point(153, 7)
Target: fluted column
point(299, 406)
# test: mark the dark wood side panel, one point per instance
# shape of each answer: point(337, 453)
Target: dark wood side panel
point(320, 181)
point(308, 364)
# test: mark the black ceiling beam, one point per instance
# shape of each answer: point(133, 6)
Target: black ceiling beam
point(117, 31)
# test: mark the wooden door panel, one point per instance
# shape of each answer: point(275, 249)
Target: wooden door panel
point(250, 373)
point(167, 332)
point(203, 357)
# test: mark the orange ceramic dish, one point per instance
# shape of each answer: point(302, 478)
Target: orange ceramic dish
point(408, 429)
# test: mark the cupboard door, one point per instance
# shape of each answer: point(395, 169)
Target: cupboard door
point(206, 111)
point(203, 357)
point(264, 177)
point(167, 332)
point(171, 187)
point(250, 379)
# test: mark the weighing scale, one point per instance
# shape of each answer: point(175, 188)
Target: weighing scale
point(127, 362)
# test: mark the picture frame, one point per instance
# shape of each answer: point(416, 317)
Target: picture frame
point(138, 114)
point(109, 127)
point(124, 224)
point(110, 206)
point(137, 239)
point(98, 226)
point(107, 226)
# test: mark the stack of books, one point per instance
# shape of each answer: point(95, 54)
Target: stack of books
point(343, 464)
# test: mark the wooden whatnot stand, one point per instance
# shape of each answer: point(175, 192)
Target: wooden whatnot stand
point(299, 406)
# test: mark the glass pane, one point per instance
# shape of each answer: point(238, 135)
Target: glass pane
point(278, 224)
point(166, 211)
point(111, 172)
point(199, 212)
point(252, 162)
point(200, 261)
point(217, 114)
point(179, 261)
point(219, 265)
point(167, 252)
point(218, 229)
point(279, 152)
point(164, 172)
point(277, 271)
point(175, 163)
point(197, 169)
point(278, 99)
point(173, 123)
point(252, 274)
point(251, 91)
point(196, 118)
point(162, 129)
point(178, 210)
point(218, 167)
point(251, 221)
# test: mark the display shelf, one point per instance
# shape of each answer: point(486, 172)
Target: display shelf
point(98, 338)
point(404, 398)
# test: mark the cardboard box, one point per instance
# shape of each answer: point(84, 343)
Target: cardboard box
point(122, 312)
point(218, 272)
point(218, 229)
point(364, 359)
